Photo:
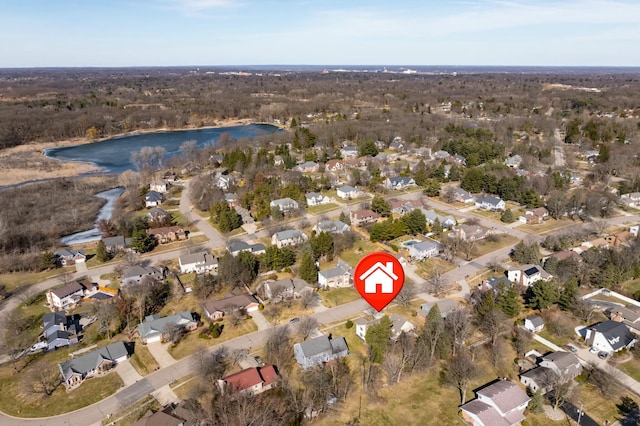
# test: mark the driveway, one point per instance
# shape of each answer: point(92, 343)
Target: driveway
point(165, 396)
point(159, 352)
point(261, 321)
point(127, 373)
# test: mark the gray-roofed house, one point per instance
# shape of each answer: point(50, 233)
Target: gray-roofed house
point(425, 249)
point(399, 182)
point(135, 274)
point(66, 257)
point(502, 403)
point(157, 214)
point(338, 276)
point(216, 309)
point(284, 204)
point(513, 161)
point(285, 288)
point(290, 237)
point(68, 295)
point(198, 262)
point(155, 328)
point(446, 306)
point(235, 247)
point(609, 337)
point(95, 363)
point(463, 196)
point(153, 199)
point(349, 151)
point(527, 275)
point(534, 323)
point(116, 244)
point(316, 199)
point(331, 227)
point(399, 325)
point(490, 203)
point(307, 167)
point(431, 217)
point(556, 367)
point(60, 330)
point(348, 192)
point(320, 350)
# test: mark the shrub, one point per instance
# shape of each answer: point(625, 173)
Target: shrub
point(349, 324)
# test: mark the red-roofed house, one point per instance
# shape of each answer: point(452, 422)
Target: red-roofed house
point(251, 381)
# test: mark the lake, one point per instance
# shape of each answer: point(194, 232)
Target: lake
point(114, 155)
point(105, 213)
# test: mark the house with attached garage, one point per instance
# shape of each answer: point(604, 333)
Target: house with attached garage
point(199, 263)
point(216, 309)
point(363, 217)
point(399, 325)
point(136, 274)
point(513, 161)
point(60, 330)
point(290, 237)
point(285, 288)
point(338, 276)
point(156, 214)
point(316, 199)
point(92, 364)
point(609, 337)
point(284, 204)
point(463, 196)
point(527, 275)
point(251, 381)
point(501, 403)
point(155, 328)
point(117, 244)
point(153, 199)
point(307, 167)
point(631, 200)
point(399, 182)
point(445, 306)
point(555, 367)
point(424, 250)
point(331, 227)
point(490, 203)
point(349, 151)
point(69, 257)
point(159, 186)
point(236, 247)
point(167, 234)
point(320, 350)
point(348, 192)
point(334, 165)
point(66, 296)
point(445, 221)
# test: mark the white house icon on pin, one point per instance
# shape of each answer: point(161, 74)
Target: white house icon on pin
point(379, 275)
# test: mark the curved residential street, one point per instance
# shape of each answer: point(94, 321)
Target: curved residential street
point(127, 396)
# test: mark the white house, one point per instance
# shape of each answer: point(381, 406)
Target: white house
point(534, 323)
point(347, 192)
point(632, 199)
point(331, 227)
point(398, 326)
point(490, 203)
point(527, 275)
point(66, 257)
point(316, 199)
point(65, 296)
point(609, 337)
point(379, 275)
point(424, 249)
point(338, 276)
point(159, 186)
point(399, 182)
point(513, 161)
point(349, 152)
point(236, 247)
point(198, 262)
point(153, 199)
point(284, 204)
point(136, 273)
point(290, 237)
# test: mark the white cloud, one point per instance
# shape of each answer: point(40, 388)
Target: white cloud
point(199, 7)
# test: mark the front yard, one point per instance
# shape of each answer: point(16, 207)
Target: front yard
point(143, 361)
point(338, 296)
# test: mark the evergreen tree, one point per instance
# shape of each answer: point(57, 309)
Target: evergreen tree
point(415, 222)
point(48, 260)
point(378, 337)
point(526, 253)
point(308, 270)
point(568, 295)
point(507, 216)
point(536, 405)
point(431, 188)
point(421, 174)
point(551, 265)
point(509, 301)
point(322, 245)
point(381, 206)
point(142, 242)
point(294, 123)
point(543, 294)
point(367, 148)
point(344, 218)
point(434, 335)
point(101, 252)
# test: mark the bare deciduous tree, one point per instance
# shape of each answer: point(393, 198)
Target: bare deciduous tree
point(306, 326)
point(277, 348)
point(437, 282)
point(458, 325)
point(460, 371)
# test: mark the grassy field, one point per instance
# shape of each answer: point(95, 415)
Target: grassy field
point(502, 240)
point(338, 296)
point(22, 279)
point(143, 361)
point(322, 208)
point(425, 269)
point(359, 250)
point(279, 313)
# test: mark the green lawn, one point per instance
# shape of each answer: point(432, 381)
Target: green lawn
point(338, 296)
point(488, 246)
point(322, 208)
point(359, 250)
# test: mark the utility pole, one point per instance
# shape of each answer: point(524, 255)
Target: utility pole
point(579, 413)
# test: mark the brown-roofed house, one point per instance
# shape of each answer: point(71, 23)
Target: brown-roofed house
point(216, 309)
point(501, 403)
point(167, 233)
point(363, 217)
point(251, 381)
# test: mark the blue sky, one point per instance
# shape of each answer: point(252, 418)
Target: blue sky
point(39, 33)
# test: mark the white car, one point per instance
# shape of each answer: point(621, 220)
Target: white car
point(38, 346)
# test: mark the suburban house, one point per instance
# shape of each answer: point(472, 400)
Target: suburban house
point(349, 151)
point(403, 207)
point(632, 199)
point(425, 249)
point(470, 232)
point(251, 381)
point(490, 202)
point(501, 403)
point(334, 165)
point(363, 217)
point(534, 323)
point(348, 192)
point(216, 309)
point(316, 199)
point(534, 216)
point(381, 275)
point(441, 155)
point(338, 276)
point(566, 255)
point(431, 217)
point(307, 167)
point(153, 199)
point(493, 284)
point(609, 337)
point(463, 196)
point(155, 328)
point(69, 257)
point(397, 144)
point(223, 181)
point(235, 247)
point(157, 214)
point(284, 204)
point(399, 182)
point(446, 306)
point(159, 186)
point(165, 417)
point(135, 274)
point(527, 275)
point(95, 363)
point(630, 315)
point(167, 234)
point(66, 296)
point(331, 227)
point(60, 330)
point(552, 368)
point(513, 161)
point(285, 288)
point(198, 262)
point(117, 244)
point(290, 237)
point(459, 160)
point(399, 325)
point(320, 350)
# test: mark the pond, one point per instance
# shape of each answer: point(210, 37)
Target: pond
point(105, 213)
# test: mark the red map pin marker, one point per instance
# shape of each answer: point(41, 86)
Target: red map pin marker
point(378, 277)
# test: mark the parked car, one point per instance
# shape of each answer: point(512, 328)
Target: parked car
point(572, 348)
point(38, 346)
point(294, 320)
point(258, 360)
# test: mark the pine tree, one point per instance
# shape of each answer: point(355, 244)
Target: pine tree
point(509, 301)
point(507, 216)
point(381, 206)
point(536, 405)
point(568, 295)
point(378, 337)
point(308, 270)
point(344, 218)
point(141, 241)
point(101, 252)
point(543, 294)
